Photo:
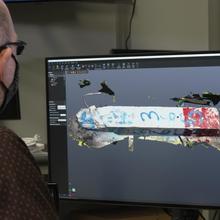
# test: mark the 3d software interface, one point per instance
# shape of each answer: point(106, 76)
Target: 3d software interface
point(134, 134)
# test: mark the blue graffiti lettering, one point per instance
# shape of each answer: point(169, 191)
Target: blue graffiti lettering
point(87, 120)
point(192, 121)
point(124, 118)
point(149, 115)
point(172, 116)
point(181, 117)
point(118, 117)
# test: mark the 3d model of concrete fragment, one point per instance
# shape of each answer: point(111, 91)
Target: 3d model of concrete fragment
point(185, 141)
point(115, 123)
point(91, 138)
point(206, 98)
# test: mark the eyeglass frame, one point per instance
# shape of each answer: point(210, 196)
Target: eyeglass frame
point(20, 45)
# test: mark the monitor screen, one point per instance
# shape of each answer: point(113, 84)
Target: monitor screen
point(135, 129)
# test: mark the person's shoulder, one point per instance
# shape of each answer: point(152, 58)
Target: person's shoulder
point(11, 143)
point(8, 136)
point(7, 132)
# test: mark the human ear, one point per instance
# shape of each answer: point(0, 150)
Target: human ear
point(5, 56)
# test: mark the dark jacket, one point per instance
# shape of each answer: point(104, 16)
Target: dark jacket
point(23, 192)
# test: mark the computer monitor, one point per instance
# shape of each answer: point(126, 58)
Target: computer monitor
point(135, 129)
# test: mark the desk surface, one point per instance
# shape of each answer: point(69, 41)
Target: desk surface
point(119, 213)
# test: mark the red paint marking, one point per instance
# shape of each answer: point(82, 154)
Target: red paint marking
point(203, 118)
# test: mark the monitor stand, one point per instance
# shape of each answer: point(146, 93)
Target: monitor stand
point(183, 214)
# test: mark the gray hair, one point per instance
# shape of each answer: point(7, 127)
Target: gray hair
point(7, 31)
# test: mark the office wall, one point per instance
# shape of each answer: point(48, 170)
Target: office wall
point(214, 27)
point(55, 29)
point(171, 25)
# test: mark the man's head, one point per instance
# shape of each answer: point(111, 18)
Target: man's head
point(7, 62)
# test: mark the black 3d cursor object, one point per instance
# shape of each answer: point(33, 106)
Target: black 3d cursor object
point(84, 83)
point(106, 89)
